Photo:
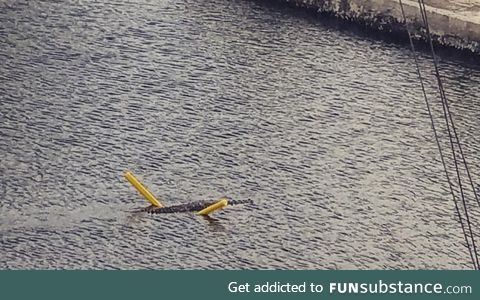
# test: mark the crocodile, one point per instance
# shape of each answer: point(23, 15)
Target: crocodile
point(188, 207)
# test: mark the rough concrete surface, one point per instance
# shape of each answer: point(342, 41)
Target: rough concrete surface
point(452, 23)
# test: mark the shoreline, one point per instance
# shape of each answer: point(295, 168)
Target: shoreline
point(452, 25)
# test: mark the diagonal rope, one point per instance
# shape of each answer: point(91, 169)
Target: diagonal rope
point(436, 137)
point(448, 116)
point(442, 93)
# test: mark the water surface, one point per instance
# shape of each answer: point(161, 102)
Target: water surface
point(323, 128)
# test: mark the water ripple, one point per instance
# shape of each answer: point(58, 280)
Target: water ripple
point(323, 128)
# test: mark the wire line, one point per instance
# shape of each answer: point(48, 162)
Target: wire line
point(474, 260)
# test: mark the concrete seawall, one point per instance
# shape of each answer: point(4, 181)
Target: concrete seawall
point(453, 23)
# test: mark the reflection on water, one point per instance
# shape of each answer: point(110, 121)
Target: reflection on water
point(324, 129)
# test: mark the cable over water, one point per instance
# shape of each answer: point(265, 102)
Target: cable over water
point(449, 122)
point(454, 140)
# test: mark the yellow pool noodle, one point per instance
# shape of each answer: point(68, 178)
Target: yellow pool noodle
point(215, 206)
point(143, 190)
